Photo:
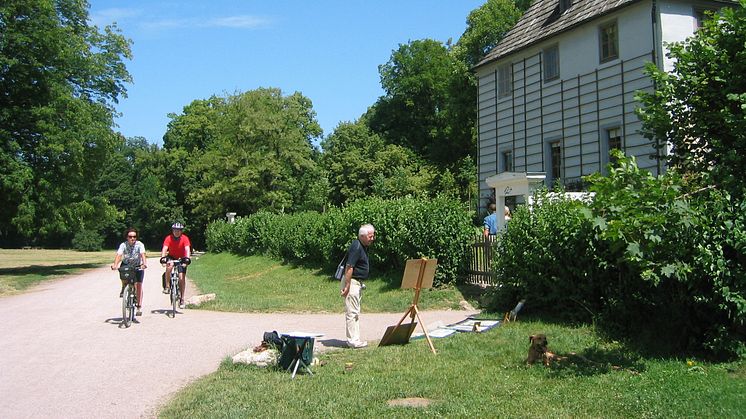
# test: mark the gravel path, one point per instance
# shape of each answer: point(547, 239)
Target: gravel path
point(63, 354)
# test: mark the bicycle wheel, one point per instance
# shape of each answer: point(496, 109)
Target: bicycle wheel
point(174, 293)
point(127, 306)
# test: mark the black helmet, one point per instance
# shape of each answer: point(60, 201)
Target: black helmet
point(177, 226)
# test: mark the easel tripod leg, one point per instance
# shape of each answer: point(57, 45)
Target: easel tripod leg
point(424, 329)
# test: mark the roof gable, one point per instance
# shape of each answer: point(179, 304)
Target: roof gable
point(544, 19)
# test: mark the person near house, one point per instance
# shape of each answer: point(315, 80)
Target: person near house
point(507, 214)
point(131, 253)
point(176, 246)
point(357, 269)
point(490, 222)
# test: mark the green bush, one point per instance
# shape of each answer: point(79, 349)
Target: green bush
point(88, 241)
point(546, 257)
point(405, 228)
point(645, 260)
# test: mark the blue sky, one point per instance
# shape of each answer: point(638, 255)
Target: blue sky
point(327, 50)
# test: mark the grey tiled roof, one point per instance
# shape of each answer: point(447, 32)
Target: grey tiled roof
point(543, 20)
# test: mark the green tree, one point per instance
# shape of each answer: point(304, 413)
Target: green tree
point(246, 152)
point(196, 127)
point(359, 164)
point(347, 158)
point(59, 81)
point(699, 109)
point(485, 27)
point(427, 106)
point(135, 181)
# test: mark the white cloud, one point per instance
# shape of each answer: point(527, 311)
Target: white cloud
point(241, 21)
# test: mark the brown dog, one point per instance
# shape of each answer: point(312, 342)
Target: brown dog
point(537, 348)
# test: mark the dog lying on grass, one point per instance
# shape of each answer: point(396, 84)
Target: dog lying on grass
point(538, 350)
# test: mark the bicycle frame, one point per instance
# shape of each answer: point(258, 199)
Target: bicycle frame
point(174, 283)
point(129, 296)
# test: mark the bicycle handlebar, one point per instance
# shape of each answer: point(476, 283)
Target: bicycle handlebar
point(181, 261)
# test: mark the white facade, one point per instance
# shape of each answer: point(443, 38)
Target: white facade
point(566, 126)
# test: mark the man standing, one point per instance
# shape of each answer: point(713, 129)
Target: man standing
point(177, 246)
point(357, 269)
point(490, 221)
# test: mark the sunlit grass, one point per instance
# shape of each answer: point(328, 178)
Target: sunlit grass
point(21, 269)
point(262, 284)
point(476, 376)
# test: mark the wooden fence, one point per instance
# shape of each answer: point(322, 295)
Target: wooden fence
point(480, 271)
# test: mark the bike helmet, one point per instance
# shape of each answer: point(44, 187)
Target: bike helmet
point(177, 226)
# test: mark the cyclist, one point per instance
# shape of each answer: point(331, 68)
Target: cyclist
point(176, 246)
point(131, 253)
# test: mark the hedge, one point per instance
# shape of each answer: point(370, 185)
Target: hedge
point(405, 228)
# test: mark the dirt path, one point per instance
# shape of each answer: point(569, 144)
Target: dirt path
point(63, 354)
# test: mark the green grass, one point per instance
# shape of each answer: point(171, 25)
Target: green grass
point(262, 284)
point(21, 269)
point(475, 375)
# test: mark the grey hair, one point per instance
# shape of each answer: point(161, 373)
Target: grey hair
point(365, 229)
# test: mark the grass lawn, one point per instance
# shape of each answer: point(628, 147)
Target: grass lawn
point(476, 376)
point(262, 284)
point(21, 269)
point(473, 374)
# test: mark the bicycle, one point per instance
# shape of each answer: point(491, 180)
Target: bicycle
point(174, 281)
point(129, 295)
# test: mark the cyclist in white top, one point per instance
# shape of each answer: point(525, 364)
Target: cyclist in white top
point(132, 253)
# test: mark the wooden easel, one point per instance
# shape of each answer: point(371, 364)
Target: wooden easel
point(418, 274)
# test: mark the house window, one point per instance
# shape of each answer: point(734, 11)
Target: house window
point(609, 41)
point(551, 63)
point(556, 153)
point(614, 136)
point(505, 81)
point(564, 5)
point(507, 157)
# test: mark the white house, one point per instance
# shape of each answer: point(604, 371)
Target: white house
point(558, 92)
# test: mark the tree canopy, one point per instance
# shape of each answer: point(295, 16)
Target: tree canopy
point(59, 81)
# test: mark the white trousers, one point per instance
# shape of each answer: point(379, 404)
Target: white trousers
point(352, 312)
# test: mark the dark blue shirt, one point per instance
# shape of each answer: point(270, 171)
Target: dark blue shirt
point(357, 257)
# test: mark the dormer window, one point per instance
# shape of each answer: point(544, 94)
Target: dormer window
point(564, 5)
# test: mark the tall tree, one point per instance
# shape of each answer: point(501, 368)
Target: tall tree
point(426, 106)
point(485, 27)
point(699, 108)
point(359, 164)
point(59, 81)
point(245, 152)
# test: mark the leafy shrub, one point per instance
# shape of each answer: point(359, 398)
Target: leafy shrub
point(405, 228)
point(546, 257)
point(645, 260)
point(88, 241)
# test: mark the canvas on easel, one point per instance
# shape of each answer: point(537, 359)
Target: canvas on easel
point(418, 274)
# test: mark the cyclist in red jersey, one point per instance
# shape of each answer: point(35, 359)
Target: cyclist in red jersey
point(177, 246)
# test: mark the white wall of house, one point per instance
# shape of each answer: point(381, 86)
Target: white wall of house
point(677, 23)
point(580, 107)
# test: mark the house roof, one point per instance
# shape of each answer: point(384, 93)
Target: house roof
point(543, 20)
